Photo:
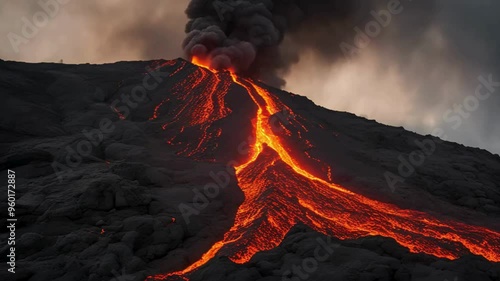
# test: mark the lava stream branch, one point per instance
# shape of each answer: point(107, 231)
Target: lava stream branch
point(198, 111)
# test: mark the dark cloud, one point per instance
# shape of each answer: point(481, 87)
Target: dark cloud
point(248, 35)
point(264, 38)
point(447, 46)
point(472, 30)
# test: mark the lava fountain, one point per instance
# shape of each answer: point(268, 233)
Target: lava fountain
point(280, 191)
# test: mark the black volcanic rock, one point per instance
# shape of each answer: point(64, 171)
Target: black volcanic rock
point(370, 258)
point(114, 212)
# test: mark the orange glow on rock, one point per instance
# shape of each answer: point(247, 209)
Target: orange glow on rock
point(281, 192)
point(203, 63)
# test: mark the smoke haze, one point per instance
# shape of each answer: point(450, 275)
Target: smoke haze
point(423, 64)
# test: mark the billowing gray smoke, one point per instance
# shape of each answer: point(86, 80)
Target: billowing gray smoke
point(246, 35)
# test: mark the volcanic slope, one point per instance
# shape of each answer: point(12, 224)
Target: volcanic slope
point(282, 160)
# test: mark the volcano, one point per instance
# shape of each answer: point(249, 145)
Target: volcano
point(225, 173)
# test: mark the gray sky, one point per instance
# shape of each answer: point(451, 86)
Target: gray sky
point(398, 78)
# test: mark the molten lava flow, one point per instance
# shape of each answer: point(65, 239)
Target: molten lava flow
point(201, 63)
point(280, 192)
point(197, 111)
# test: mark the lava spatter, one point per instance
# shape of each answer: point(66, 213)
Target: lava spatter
point(280, 192)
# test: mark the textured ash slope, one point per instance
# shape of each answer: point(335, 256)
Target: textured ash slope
point(132, 183)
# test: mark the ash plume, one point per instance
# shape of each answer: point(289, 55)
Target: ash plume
point(247, 35)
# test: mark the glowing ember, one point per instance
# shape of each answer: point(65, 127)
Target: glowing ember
point(280, 192)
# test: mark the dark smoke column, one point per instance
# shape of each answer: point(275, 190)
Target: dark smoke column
point(229, 34)
point(247, 35)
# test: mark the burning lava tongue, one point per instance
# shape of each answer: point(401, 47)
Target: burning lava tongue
point(280, 192)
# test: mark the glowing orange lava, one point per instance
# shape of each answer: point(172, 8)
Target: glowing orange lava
point(200, 62)
point(280, 192)
point(197, 111)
